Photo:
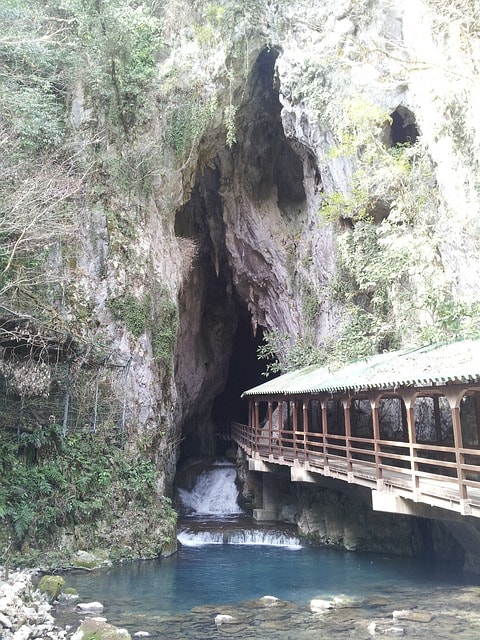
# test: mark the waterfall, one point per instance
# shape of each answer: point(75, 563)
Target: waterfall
point(213, 494)
point(207, 497)
point(264, 537)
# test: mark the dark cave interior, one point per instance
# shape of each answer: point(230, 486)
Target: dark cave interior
point(217, 326)
point(245, 371)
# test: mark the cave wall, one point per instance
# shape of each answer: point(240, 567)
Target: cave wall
point(234, 224)
point(257, 119)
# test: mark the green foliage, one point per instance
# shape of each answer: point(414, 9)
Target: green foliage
point(157, 314)
point(118, 43)
point(394, 293)
point(164, 328)
point(33, 75)
point(282, 354)
point(135, 312)
point(351, 205)
point(381, 175)
point(187, 119)
point(75, 479)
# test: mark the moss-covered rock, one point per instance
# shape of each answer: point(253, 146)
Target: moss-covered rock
point(51, 586)
point(91, 559)
point(94, 629)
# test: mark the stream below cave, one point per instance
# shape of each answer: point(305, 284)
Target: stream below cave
point(226, 564)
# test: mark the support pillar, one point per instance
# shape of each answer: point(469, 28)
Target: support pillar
point(268, 512)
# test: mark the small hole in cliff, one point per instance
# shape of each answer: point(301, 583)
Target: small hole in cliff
point(403, 129)
point(272, 169)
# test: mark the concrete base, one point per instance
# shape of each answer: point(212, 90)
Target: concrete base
point(254, 464)
point(265, 515)
point(299, 474)
point(392, 503)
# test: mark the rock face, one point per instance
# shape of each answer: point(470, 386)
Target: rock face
point(25, 613)
point(302, 171)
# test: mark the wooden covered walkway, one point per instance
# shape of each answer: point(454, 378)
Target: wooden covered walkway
point(405, 424)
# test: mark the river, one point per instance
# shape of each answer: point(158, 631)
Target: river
point(226, 565)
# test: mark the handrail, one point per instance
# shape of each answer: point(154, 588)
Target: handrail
point(423, 466)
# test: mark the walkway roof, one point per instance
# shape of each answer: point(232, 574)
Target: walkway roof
point(437, 364)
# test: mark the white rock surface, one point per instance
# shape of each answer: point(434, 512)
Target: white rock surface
point(90, 607)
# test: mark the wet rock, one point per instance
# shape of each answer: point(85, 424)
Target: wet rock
point(270, 601)
point(90, 559)
point(343, 602)
point(90, 607)
point(69, 595)
point(373, 628)
point(395, 632)
point(319, 606)
point(412, 616)
point(51, 586)
point(5, 622)
point(92, 628)
point(222, 618)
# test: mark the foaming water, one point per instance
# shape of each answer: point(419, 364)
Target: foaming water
point(214, 492)
point(250, 537)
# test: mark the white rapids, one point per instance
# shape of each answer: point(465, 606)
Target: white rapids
point(270, 538)
point(214, 493)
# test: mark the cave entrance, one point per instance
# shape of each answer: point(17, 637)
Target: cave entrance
point(231, 272)
point(245, 371)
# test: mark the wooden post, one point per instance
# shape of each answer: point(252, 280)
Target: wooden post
point(454, 397)
point(295, 421)
point(476, 400)
point(325, 434)
point(376, 440)
point(438, 422)
point(306, 404)
point(459, 457)
point(348, 434)
point(409, 400)
point(270, 425)
point(280, 419)
point(256, 423)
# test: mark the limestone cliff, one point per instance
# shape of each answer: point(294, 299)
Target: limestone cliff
point(229, 172)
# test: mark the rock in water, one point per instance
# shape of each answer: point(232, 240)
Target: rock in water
point(51, 586)
point(90, 607)
point(92, 628)
point(412, 616)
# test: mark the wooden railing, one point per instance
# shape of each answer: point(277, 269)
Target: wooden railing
point(438, 475)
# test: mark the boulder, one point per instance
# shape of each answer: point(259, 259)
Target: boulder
point(69, 595)
point(318, 605)
point(395, 632)
point(100, 630)
point(51, 586)
point(90, 607)
point(5, 622)
point(412, 616)
point(90, 559)
point(373, 628)
point(269, 601)
point(222, 618)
